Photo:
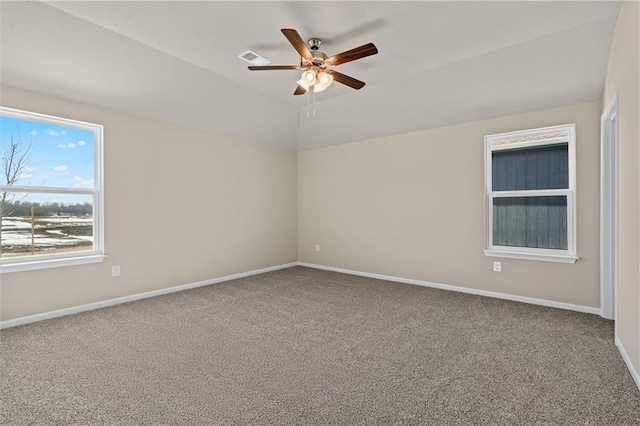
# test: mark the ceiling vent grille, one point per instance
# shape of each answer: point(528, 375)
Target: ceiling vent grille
point(253, 58)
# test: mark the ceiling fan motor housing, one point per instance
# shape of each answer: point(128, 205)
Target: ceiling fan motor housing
point(319, 59)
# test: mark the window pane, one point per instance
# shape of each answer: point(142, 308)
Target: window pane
point(538, 222)
point(544, 167)
point(61, 223)
point(43, 154)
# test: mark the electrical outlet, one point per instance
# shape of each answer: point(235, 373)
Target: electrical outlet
point(497, 266)
point(115, 271)
point(317, 247)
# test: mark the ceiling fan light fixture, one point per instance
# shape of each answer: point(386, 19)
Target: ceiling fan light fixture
point(324, 80)
point(319, 87)
point(309, 77)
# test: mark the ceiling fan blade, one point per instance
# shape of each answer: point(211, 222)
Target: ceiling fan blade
point(353, 54)
point(273, 67)
point(300, 90)
point(346, 80)
point(297, 42)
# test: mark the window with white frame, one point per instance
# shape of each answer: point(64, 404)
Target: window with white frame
point(50, 191)
point(530, 188)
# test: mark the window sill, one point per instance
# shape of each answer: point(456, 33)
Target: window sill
point(545, 257)
point(50, 263)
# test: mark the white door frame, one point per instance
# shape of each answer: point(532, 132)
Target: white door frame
point(609, 209)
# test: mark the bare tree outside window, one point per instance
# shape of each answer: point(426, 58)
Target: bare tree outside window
point(13, 164)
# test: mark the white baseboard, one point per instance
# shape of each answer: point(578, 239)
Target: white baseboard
point(102, 304)
point(531, 300)
point(627, 360)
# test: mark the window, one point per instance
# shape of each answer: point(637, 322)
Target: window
point(530, 184)
point(50, 191)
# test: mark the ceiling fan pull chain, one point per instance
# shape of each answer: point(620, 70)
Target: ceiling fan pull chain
point(308, 98)
point(314, 103)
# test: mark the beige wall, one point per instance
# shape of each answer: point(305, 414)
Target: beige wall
point(412, 206)
point(181, 206)
point(623, 76)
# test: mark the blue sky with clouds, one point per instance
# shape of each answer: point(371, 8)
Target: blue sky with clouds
point(60, 156)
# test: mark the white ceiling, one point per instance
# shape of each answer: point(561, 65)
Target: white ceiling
point(440, 63)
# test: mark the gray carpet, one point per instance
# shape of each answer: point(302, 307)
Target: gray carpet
point(302, 346)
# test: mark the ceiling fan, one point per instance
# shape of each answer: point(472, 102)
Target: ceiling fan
point(317, 68)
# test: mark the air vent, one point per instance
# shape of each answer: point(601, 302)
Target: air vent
point(253, 58)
